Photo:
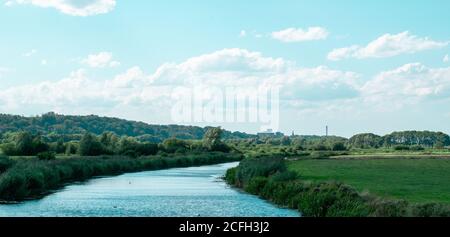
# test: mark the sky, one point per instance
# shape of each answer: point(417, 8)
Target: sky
point(356, 66)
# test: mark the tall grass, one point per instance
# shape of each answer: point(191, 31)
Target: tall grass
point(268, 178)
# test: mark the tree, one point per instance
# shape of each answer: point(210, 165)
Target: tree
point(365, 140)
point(48, 155)
point(173, 145)
point(147, 149)
point(24, 144)
point(71, 148)
point(110, 142)
point(285, 141)
point(60, 148)
point(339, 146)
point(212, 140)
point(90, 146)
point(39, 146)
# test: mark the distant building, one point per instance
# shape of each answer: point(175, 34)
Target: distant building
point(270, 133)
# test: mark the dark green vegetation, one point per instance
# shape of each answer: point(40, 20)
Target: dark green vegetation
point(26, 144)
point(406, 139)
point(54, 127)
point(415, 180)
point(36, 167)
point(270, 178)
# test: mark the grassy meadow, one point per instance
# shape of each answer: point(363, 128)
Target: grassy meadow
point(415, 180)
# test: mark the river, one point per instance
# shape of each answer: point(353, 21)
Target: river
point(180, 192)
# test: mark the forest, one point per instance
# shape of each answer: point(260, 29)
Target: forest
point(54, 127)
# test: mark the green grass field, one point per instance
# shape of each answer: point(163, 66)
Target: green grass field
point(415, 180)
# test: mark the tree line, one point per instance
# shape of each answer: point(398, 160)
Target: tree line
point(108, 143)
point(401, 140)
point(54, 127)
point(407, 140)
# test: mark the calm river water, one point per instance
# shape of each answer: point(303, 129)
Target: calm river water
point(184, 192)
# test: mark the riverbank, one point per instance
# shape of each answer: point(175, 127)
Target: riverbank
point(270, 178)
point(31, 178)
point(175, 192)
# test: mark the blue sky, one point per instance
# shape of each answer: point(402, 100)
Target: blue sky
point(390, 74)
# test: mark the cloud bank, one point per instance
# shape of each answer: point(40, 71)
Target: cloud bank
point(71, 7)
point(316, 91)
point(387, 45)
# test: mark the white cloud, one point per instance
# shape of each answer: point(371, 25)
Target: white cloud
point(315, 93)
point(408, 84)
point(44, 62)
point(30, 53)
point(243, 34)
point(100, 60)
point(71, 7)
point(387, 45)
point(298, 35)
point(446, 59)
point(134, 88)
point(133, 77)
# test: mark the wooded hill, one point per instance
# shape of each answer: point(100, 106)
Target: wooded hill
point(54, 126)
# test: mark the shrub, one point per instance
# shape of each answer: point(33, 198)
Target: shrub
point(256, 184)
point(401, 148)
point(254, 167)
point(322, 154)
point(389, 208)
point(331, 199)
point(9, 149)
point(230, 176)
point(320, 147)
point(285, 176)
point(173, 145)
point(5, 163)
point(431, 210)
point(339, 147)
point(417, 148)
point(48, 155)
point(90, 146)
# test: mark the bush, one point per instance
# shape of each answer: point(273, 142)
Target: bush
point(339, 147)
point(173, 145)
point(320, 147)
point(331, 199)
point(5, 163)
point(254, 167)
point(90, 146)
point(256, 184)
point(322, 154)
point(401, 148)
point(230, 176)
point(431, 210)
point(9, 149)
point(389, 208)
point(285, 176)
point(46, 155)
point(417, 148)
